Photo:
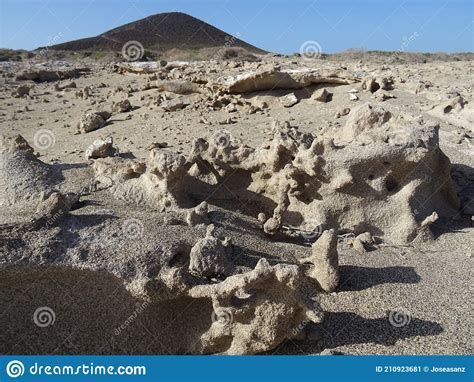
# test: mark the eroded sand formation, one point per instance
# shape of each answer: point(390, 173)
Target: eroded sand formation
point(356, 180)
point(247, 232)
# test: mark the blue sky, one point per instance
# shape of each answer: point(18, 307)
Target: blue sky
point(274, 25)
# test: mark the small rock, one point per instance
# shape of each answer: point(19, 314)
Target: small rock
point(289, 100)
point(370, 84)
point(210, 256)
point(227, 121)
point(231, 108)
point(343, 112)
point(157, 145)
point(383, 96)
point(122, 106)
point(198, 215)
point(322, 95)
point(92, 121)
point(101, 148)
point(174, 104)
point(366, 238)
point(358, 246)
point(22, 91)
point(271, 226)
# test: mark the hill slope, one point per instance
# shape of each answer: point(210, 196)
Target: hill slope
point(160, 33)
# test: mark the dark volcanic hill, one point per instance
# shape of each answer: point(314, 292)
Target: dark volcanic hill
point(160, 33)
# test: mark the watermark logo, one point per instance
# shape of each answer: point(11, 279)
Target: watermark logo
point(222, 139)
point(406, 42)
point(44, 316)
point(310, 50)
point(15, 369)
point(133, 51)
point(399, 318)
point(41, 54)
point(222, 316)
point(132, 229)
point(229, 41)
point(140, 308)
point(44, 139)
point(313, 233)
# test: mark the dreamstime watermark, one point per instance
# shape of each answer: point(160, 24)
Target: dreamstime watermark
point(222, 316)
point(316, 309)
point(310, 50)
point(133, 51)
point(40, 54)
point(399, 318)
point(229, 42)
point(132, 229)
point(220, 231)
point(141, 307)
point(44, 139)
point(68, 204)
point(222, 139)
point(406, 42)
point(313, 233)
point(44, 316)
point(16, 368)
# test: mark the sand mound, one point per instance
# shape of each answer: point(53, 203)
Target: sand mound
point(23, 177)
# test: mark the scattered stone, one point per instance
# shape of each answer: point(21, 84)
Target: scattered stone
point(227, 121)
point(370, 84)
point(343, 112)
point(198, 215)
point(358, 246)
point(83, 93)
point(322, 95)
point(362, 243)
point(210, 256)
point(289, 100)
point(157, 145)
point(121, 106)
point(272, 226)
point(101, 148)
point(174, 104)
point(382, 96)
point(92, 121)
point(22, 91)
point(231, 108)
point(259, 104)
point(67, 85)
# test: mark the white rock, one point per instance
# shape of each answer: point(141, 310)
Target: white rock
point(289, 100)
point(101, 148)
